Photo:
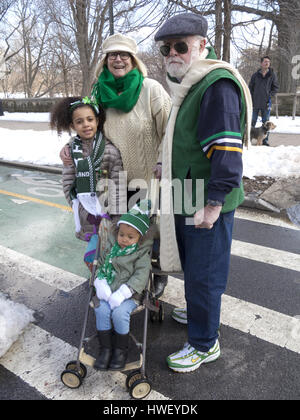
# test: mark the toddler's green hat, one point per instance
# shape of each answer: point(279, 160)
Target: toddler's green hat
point(138, 216)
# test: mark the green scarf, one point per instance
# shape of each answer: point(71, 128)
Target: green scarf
point(107, 271)
point(107, 88)
point(86, 167)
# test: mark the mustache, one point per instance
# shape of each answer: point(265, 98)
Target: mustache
point(175, 60)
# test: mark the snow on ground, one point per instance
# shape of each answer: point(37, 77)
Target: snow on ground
point(275, 162)
point(14, 317)
point(40, 147)
point(43, 147)
point(285, 125)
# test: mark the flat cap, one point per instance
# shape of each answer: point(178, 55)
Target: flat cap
point(183, 24)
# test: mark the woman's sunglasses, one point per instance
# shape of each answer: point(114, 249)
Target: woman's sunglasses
point(180, 47)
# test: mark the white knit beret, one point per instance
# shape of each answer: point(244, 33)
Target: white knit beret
point(119, 42)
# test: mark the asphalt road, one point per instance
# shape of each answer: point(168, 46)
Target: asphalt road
point(41, 266)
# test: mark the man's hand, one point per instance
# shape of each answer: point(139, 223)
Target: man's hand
point(206, 217)
point(65, 156)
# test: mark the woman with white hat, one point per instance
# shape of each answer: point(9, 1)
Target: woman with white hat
point(137, 110)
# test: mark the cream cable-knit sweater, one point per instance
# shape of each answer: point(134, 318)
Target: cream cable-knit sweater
point(138, 133)
point(169, 255)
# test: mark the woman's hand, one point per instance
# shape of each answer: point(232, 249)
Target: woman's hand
point(65, 155)
point(157, 171)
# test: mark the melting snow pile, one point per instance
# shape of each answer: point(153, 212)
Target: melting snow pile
point(14, 317)
point(276, 162)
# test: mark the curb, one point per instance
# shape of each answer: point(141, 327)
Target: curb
point(251, 200)
point(31, 166)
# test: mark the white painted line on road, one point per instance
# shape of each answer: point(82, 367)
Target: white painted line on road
point(263, 217)
point(39, 358)
point(266, 255)
point(266, 324)
point(66, 281)
point(46, 273)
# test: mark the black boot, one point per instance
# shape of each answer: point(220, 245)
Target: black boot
point(120, 352)
point(105, 342)
point(159, 283)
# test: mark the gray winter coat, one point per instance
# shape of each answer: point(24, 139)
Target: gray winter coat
point(262, 88)
point(132, 270)
point(114, 199)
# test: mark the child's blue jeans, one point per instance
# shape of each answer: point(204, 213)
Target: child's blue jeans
point(118, 318)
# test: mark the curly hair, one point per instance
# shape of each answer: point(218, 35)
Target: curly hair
point(61, 114)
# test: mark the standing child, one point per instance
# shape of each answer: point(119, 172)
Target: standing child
point(122, 276)
point(92, 156)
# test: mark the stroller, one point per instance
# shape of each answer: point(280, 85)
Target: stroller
point(137, 382)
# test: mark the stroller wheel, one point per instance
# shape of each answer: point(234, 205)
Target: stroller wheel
point(71, 378)
point(140, 389)
point(132, 377)
point(73, 366)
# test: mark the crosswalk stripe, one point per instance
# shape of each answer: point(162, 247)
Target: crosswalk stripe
point(46, 273)
point(263, 217)
point(44, 355)
point(39, 358)
point(266, 255)
point(66, 281)
point(266, 324)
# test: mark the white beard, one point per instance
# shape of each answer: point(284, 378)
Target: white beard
point(177, 69)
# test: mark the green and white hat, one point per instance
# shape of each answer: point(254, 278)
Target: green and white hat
point(138, 216)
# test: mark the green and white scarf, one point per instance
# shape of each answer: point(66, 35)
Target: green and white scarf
point(107, 271)
point(83, 189)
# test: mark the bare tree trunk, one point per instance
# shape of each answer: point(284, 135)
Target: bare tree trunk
point(288, 31)
point(219, 28)
point(227, 30)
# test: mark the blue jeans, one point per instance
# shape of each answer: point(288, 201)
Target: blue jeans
point(119, 316)
point(205, 258)
point(265, 116)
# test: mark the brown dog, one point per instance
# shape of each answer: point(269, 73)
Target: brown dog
point(260, 133)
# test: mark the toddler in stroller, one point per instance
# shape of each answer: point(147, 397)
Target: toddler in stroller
point(121, 279)
point(124, 285)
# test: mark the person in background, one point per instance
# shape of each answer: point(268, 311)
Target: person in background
point(209, 122)
point(137, 110)
point(263, 85)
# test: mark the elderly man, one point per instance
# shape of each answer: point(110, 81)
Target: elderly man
point(209, 122)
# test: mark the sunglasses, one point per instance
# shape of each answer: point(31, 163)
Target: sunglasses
point(180, 47)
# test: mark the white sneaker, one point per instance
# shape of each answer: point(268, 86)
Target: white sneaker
point(189, 359)
point(180, 315)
